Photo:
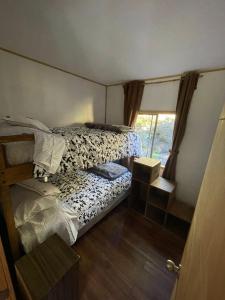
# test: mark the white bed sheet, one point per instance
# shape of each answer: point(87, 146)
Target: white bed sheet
point(38, 217)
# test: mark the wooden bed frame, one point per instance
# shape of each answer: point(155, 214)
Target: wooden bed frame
point(10, 175)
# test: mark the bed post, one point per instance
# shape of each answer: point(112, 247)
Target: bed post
point(7, 210)
point(128, 162)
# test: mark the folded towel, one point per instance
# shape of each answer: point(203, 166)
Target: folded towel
point(109, 170)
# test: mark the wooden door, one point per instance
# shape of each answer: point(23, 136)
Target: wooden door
point(202, 275)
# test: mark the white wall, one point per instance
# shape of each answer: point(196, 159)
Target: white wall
point(205, 109)
point(160, 97)
point(54, 97)
point(114, 109)
point(156, 97)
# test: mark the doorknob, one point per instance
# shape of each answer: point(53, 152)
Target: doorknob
point(172, 267)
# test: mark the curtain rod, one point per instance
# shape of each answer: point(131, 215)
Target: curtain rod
point(169, 78)
point(162, 81)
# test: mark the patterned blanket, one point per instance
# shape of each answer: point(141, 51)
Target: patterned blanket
point(89, 147)
point(87, 194)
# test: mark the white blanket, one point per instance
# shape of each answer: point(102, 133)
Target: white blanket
point(37, 218)
point(48, 150)
point(43, 224)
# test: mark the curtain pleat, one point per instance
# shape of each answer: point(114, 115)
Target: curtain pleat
point(188, 84)
point(133, 92)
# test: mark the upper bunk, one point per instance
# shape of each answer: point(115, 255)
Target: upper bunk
point(66, 149)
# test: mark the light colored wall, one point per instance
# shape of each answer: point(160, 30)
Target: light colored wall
point(205, 110)
point(160, 97)
point(51, 96)
point(157, 97)
point(203, 117)
point(114, 109)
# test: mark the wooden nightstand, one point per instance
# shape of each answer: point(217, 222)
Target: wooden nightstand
point(161, 193)
point(154, 197)
point(50, 271)
point(145, 169)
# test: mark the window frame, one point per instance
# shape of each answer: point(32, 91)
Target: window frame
point(156, 113)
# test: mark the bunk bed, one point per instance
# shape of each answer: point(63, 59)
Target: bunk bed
point(13, 174)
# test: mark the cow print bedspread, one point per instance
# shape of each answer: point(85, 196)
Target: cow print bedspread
point(87, 194)
point(89, 147)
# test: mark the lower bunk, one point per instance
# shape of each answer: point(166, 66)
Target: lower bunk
point(68, 205)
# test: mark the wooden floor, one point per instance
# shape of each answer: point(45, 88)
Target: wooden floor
point(123, 257)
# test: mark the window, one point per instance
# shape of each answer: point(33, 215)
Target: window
point(156, 133)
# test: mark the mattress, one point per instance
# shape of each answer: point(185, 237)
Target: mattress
point(85, 198)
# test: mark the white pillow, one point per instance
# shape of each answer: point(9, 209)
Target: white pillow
point(41, 188)
point(30, 207)
point(45, 223)
point(26, 122)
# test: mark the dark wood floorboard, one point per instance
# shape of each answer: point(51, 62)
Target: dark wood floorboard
point(123, 257)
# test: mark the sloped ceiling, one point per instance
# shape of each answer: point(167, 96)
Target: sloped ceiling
point(113, 40)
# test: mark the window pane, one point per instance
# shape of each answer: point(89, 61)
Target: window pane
point(163, 137)
point(145, 125)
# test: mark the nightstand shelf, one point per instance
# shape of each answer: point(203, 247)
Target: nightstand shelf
point(139, 195)
point(177, 226)
point(163, 184)
point(146, 169)
point(158, 202)
point(154, 214)
point(50, 271)
point(155, 199)
point(181, 210)
point(140, 180)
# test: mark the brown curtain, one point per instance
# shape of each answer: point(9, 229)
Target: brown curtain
point(188, 84)
point(133, 92)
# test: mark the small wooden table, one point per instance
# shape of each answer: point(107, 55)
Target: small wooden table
point(50, 271)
